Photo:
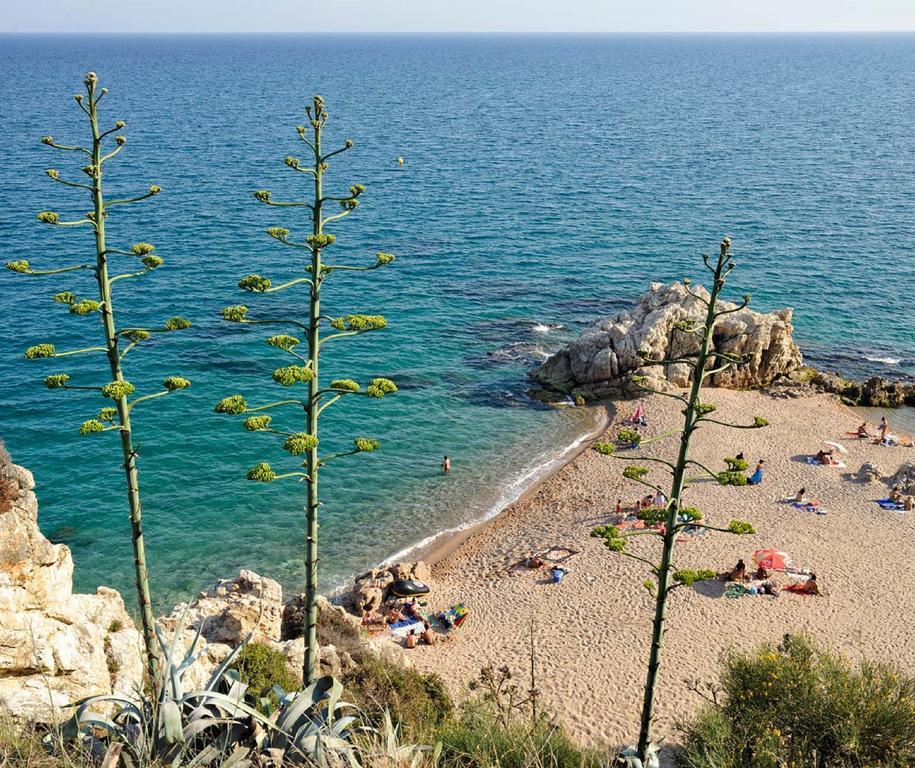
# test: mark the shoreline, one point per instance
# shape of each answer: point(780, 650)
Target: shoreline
point(439, 545)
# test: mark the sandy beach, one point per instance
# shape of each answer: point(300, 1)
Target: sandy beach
point(592, 630)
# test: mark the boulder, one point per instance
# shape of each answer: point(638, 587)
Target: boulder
point(601, 363)
point(233, 609)
point(55, 647)
point(869, 473)
point(904, 477)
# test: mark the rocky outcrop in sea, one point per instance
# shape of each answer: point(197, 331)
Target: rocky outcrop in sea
point(601, 363)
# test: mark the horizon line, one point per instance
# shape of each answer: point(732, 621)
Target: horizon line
point(480, 33)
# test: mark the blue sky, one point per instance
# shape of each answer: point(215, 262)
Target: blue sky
point(457, 15)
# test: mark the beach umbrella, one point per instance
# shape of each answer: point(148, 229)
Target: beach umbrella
point(837, 446)
point(771, 559)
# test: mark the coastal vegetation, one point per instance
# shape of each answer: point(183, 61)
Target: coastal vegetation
point(796, 703)
point(118, 339)
point(304, 369)
point(668, 520)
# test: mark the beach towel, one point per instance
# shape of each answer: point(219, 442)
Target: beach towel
point(809, 507)
point(891, 505)
point(454, 616)
point(813, 460)
point(735, 590)
point(405, 627)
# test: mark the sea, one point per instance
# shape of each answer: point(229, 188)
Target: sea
point(546, 181)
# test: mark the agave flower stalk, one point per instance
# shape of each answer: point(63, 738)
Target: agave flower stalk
point(116, 341)
point(319, 330)
point(667, 522)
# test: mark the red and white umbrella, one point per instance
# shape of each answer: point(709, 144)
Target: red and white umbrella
point(772, 559)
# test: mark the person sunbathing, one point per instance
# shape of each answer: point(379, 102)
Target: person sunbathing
point(737, 573)
point(428, 636)
point(799, 496)
point(862, 431)
point(761, 574)
point(810, 586)
point(896, 495)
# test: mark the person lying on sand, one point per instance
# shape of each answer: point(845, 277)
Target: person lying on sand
point(737, 573)
point(826, 458)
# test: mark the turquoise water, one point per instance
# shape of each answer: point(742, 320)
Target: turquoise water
point(547, 181)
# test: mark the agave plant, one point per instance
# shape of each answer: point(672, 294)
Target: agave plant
point(175, 727)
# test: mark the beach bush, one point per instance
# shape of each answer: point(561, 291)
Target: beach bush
point(417, 702)
point(478, 739)
point(797, 704)
point(263, 667)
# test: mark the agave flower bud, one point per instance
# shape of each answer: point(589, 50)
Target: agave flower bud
point(257, 423)
point(233, 404)
point(254, 283)
point(39, 351)
point(380, 388)
point(747, 297)
point(174, 383)
point(607, 449)
point(349, 144)
point(300, 443)
point(741, 527)
point(154, 189)
point(120, 124)
point(52, 173)
point(357, 189)
point(56, 380)
point(152, 262)
point(235, 314)
point(263, 473)
point(142, 249)
point(115, 390)
point(359, 323)
point(48, 217)
point(47, 140)
point(300, 129)
point(283, 341)
point(91, 79)
point(64, 297)
point(84, 307)
point(108, 414)
point(320, 241)
point(345, 385)
point(262, 195)
point(78, 97)
point(91, 170)
point(177, 324)
point(366, 444)
point(91, 426)
point(136, 334)
point(292, 162)
point(384, 258)
point(120, 140)
point(349, 205)
point(759, 421)
point(278, 233)
point(292, 374)
point(21, 266)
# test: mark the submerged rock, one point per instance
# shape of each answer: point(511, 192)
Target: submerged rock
point(603, 360)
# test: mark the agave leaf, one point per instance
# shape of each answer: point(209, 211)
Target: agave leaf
point(342, 725)
point(218, 673)
point(240, 758)
point(190, 657)
point(237, 706)
point(171, 722)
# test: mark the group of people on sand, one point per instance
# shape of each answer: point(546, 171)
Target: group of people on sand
point(882, 436)
point(898, 497)
point(827, 458)
point(761, 581)
point(409, 611)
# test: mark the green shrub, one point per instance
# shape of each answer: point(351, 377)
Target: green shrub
point(736, 465)
point(418, 702)
point(262, 667)
point(799, 705)
point(732, 478)
point(477, 739)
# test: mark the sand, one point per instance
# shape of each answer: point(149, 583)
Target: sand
point(592, 631)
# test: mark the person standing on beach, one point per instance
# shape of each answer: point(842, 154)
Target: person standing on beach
point(446, 465)
point(884, 428)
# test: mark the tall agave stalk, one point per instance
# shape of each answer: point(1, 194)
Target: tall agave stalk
point(304, 369)
point(118, 340)
point(675, 516)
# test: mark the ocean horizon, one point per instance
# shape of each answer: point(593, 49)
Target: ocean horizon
point(548, 179)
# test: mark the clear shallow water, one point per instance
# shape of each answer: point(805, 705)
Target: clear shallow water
point(547, 181)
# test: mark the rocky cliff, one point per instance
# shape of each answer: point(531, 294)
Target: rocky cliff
point(55, 646)
point(602, 361)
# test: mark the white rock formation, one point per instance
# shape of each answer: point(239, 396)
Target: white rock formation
point(603, 360)
point(55, 647)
